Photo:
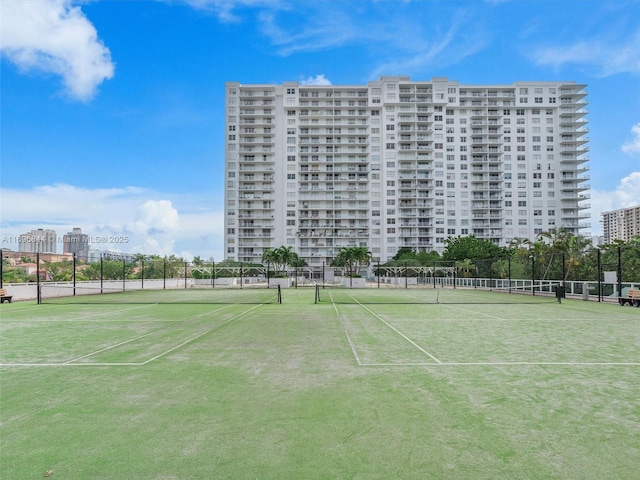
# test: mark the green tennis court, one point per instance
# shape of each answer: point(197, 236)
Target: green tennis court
point(365, 384)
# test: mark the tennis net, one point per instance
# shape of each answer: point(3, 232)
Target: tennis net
point(428, 295)
point(114, 294)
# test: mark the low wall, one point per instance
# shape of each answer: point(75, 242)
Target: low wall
point(28, 291)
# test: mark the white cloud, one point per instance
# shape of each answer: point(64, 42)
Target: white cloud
point(224, 9)
point(626, 194)
point(402, 44)
point(633, 146)
point(317, 31)
point(157, 215)
point(156, 223)
point(606, 56)
point(52, 36)
point(152, 223)
point(447, 48)
point(64, 202)
point(317, 80)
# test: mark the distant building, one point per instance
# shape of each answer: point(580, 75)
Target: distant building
point(97, 255)
point(16, 258)
point(38, 241)
point(621, 224)
point(597, 240)
point(78, 243)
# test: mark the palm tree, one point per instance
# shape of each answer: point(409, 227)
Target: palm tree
point(270, 255)
point(576, 248)
point(281, 258)
point(548, 245)
point(556, 239)
point(558, 242)
point(353, 258)
point(287, 256)
point(520, 246)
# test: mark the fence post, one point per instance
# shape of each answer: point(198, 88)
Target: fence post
point(101, 274)
point(455, 276)
point(434, 275)
point(533, 274)
point(599, 277)
point(38, 291)
point(475, 274)
point(406, 276)
point(268, 280)
point(492, 283)
point(619, 273)
point(74, 274)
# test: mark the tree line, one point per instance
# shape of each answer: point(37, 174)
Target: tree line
point(556, 254)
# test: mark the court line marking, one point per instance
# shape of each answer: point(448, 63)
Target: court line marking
point(346, 333)
point(108, 364)
point(475, 312)
point(200, 315)
point(453, 364)
point(144, 335)
point(431, 364)
point(395, 330)
point(89, 364)
point(110, 312)
point(109, 347)
point(506, 364)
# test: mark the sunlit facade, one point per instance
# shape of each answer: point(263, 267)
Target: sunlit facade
point(401, 163)
point(621, 224)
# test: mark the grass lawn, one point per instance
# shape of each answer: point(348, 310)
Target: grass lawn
point(376, 388)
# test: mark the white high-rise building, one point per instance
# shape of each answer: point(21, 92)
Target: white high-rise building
point(38, 241)
point(621, 224)
point(400, 163)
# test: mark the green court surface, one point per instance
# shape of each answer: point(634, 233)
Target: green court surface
point(365, 384)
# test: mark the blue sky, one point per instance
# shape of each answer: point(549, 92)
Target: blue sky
point(112, 113)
